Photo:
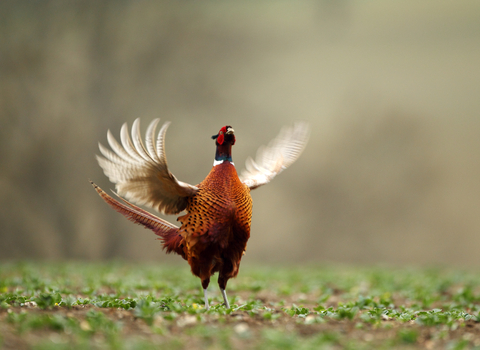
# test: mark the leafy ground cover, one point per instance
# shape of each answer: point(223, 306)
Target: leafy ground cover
point(131, 306)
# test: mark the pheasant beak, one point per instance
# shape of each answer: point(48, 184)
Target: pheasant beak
point(230, 131)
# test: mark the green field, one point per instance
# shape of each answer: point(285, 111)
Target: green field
point(139, 306)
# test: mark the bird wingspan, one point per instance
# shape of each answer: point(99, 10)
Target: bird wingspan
point(140, 171)
point(277, 156)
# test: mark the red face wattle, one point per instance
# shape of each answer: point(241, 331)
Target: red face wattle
point(227, 130)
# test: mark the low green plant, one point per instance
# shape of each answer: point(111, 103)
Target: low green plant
point(124, 306)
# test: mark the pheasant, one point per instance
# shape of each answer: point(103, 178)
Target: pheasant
point(216, 227)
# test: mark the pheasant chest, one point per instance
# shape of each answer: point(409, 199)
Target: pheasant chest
point(222, 204)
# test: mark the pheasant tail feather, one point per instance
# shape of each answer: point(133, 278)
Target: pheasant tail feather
point(169, 233)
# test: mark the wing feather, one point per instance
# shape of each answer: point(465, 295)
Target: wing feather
point(140, 171)
point(149, 140)
point(277, 156)
point(137, 141)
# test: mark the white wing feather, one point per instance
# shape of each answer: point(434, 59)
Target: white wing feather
point(277, 156)
point(141, 172)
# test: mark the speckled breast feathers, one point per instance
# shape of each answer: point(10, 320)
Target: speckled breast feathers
point(217, 224)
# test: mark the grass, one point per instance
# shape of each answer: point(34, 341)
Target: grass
point(127, 306)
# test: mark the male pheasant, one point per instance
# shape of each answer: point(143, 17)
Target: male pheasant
point(215, 230)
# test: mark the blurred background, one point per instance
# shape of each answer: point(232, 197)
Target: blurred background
point(391, 90)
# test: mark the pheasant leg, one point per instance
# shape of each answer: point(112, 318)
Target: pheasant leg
point(224, 294)
point(206, 299)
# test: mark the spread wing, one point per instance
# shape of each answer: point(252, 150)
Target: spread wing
point(277, 156)
point(140, 171)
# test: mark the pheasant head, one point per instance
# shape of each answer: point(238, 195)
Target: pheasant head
point(224, 141)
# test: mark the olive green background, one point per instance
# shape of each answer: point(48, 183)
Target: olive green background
point(391, 90)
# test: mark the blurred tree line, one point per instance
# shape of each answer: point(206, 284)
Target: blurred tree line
point(390, 90)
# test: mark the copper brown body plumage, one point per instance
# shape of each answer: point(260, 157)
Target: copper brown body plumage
point(216, 226)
